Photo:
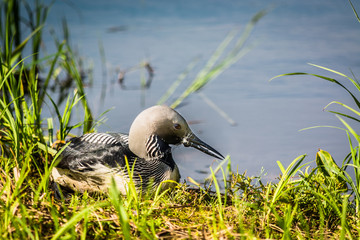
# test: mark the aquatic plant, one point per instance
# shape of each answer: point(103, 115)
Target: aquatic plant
point(221, 59)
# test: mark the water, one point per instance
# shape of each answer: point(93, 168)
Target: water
point(269, 115)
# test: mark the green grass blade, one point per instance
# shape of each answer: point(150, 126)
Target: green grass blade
point(355, 83)
point(18, 50)
point(345, 106)
point(327, 79)
point(50, 74)
point(212, 70)
point(353, 8)
point(290, 171)
point(115, 197)
point(219, 198)
point(75, 219)
point(176, 84)
point(350, 129)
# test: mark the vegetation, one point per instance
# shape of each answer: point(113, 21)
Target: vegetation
point(321, 202)
point(215, 65)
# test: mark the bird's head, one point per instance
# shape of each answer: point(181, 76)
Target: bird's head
point(166, 125)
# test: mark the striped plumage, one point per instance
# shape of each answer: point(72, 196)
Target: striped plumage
point(92, 159)
point(90, 162)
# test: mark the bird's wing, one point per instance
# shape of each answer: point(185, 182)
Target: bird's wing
point(85, 152)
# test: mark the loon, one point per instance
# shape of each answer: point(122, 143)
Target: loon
point(90, 162)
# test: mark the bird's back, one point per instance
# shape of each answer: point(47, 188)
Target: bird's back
point(89, 163)
point(85, 152)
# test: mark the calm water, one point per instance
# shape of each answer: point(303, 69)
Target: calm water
point(269, 115)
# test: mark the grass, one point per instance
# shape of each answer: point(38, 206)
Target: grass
point(316, 203)
point(307, 207)
point(223, 57)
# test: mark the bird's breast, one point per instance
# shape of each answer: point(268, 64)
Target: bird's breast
point(146, 176)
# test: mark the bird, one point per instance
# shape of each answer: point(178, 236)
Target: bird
point(92, 161)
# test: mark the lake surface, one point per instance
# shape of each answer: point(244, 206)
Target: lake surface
point(269, 115)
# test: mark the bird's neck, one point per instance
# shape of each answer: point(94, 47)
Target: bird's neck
point(153, 148)
point(150, 147)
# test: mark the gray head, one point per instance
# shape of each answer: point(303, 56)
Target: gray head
point(169, 126)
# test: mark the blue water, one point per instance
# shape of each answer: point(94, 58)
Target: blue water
point(269, 115)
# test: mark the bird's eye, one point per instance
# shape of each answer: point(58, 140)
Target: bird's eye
point(177, 126)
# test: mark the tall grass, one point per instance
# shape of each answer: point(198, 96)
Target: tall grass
point(24, 167)
point(352, 160)
point(339, 177)
point(339, 189)
point(222, 59)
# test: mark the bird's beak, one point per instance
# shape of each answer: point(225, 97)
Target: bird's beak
point(192, 140)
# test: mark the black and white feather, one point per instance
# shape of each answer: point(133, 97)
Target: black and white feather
point(90, 161)
point(155, 147)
